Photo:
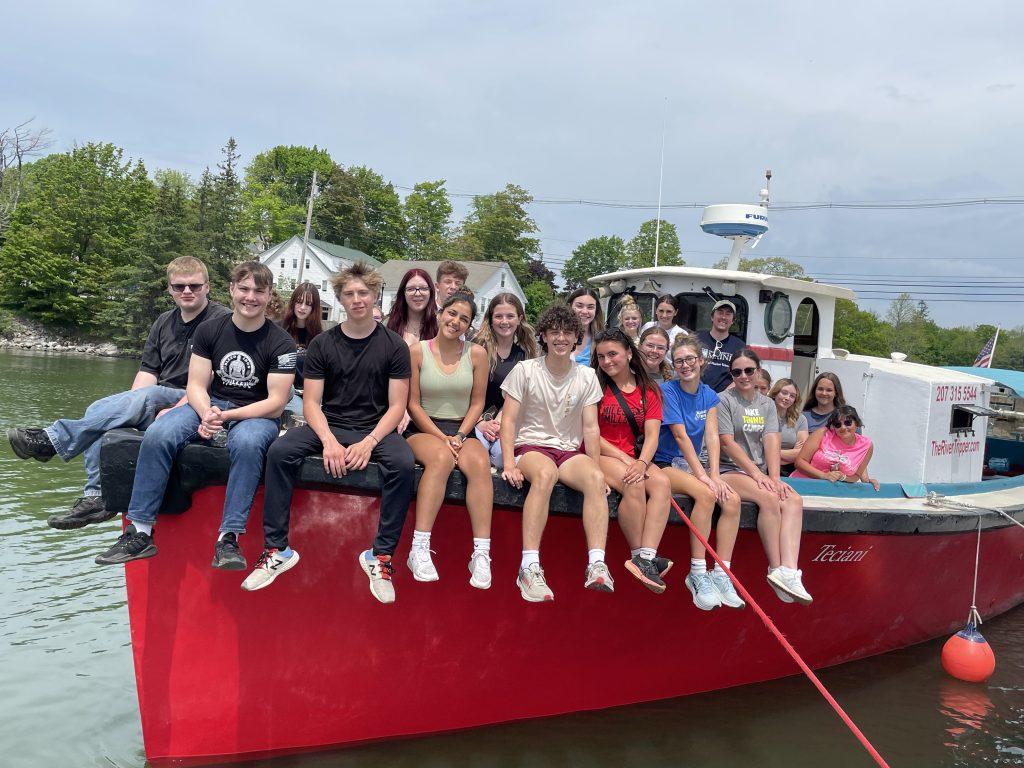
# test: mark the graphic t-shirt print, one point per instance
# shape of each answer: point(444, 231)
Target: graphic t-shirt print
point(753, 421)
point(238, 370)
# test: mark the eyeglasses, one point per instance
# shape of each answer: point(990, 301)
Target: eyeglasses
point(679, 362)
point(737, 372)
point(180, 287)
point(846, 423)
point(416, 289)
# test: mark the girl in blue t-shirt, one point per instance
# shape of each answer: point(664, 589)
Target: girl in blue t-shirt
point(690, 430)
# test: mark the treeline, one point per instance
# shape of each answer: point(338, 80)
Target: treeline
point(85, 236)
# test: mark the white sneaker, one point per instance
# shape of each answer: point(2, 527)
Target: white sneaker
point(533, 586)
point(776, 580)
point(599, 578)
point(726, 591)
point(421, 565)
point(379, 572)
point(705, 596)
point(794, 579)
point(480, 568)
point(269, 567)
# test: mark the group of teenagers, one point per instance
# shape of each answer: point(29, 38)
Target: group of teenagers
point(645, 411)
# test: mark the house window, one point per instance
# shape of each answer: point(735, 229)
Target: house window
point(307, 263)
point(282, 262)
point(502, 279)
point(295, 263)
point(323, 285)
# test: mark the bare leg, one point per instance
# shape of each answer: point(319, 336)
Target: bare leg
point(584, 475)
point(438, 462)
point(658, 491)
point(703, 506)
point(769, 515)
point(542, 474)
point(792, 525)
point(631, 505)
point(728, 526)
point(475, 464)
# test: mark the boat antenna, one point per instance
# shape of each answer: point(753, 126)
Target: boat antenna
point(661, 178)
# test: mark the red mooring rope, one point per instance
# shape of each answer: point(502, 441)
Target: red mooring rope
point(785, 643)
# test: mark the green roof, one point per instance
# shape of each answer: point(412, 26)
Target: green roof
point(343, 252)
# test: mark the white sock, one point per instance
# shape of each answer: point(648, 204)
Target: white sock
point(146, 528)
point(648, 553)
point(595, 556)
point(421, 539)
point(720, 569)
point(635, 552)
point(698, 567)
point(530, 556)
point(481, 545)
point(222, 534)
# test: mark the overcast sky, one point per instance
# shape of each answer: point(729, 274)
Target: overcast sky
point(874, 102)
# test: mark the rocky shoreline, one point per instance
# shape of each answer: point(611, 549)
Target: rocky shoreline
point(25, 334)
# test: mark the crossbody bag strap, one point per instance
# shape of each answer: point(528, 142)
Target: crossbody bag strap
point(626, 410)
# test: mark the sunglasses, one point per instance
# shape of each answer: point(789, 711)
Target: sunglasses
point(180, 287)
point(679, 362)
point(737, 372)
point(846, 423)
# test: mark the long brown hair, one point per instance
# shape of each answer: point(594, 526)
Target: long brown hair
point(398, 317)
point(793, 412)
point(636, 365)
point(307, 293)
point(525, 335)
point(812, 397)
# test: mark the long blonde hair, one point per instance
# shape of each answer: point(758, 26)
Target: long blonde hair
point(793, 412)
point(525, 336)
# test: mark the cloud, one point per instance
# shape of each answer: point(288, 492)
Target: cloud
point(894, 93)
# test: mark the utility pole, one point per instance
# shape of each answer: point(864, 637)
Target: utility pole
point(305, 236)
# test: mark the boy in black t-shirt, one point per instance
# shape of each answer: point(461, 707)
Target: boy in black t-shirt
point(239, 380)
point(356, 390)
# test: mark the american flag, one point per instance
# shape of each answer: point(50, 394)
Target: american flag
point(984, 358)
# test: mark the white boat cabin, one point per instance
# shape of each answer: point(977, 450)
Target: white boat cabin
point(928, 424)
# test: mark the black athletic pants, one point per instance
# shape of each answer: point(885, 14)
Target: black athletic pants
point(392, 454)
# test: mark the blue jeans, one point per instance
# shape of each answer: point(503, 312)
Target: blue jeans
point(136, 408)
point(248, 441)
point(493, 449)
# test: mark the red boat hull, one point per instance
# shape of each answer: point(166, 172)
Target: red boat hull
point(315, 661)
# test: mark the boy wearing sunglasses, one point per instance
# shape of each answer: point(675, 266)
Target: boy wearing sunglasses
point(159, 385)
point(719, 346)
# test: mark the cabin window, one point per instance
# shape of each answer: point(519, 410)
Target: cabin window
point(693, 312)
point(778, 315)
point(961, 419)
point(805, 329)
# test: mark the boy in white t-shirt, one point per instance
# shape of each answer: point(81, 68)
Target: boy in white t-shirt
point(550, 413)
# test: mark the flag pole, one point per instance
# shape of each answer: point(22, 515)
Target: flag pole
point(995, 340)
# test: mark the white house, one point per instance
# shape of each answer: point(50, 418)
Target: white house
point(323, 260)
point(486, 280)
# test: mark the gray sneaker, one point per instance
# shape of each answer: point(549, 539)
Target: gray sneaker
point(532, 585)
point(647, 572)
point(86, 510)
point(598, 578)
point(379, 571)
point(31, 444)
point(776, 582)
point(726, 591)
point(226, 554)
point(269, 567)
point(705, 596)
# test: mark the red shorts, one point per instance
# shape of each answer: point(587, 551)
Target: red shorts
point(557, 456)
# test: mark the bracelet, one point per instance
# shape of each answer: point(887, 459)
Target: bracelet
point(374, 437)
point(646, 464)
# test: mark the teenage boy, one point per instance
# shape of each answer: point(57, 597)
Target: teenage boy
point(451, 276)
point(239, 380)
point(550, 411)
point(159, 384)
point(719, 346)
point(356, 389)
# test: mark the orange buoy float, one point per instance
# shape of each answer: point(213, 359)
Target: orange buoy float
point(968, 656)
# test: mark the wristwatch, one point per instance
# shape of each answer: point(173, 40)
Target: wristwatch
point(462, 437)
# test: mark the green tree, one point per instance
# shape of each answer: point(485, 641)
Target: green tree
point(640, 250)
point(223, 232)
point(771, 265)
point(277, 184)
point(339, 213)
point(386, 228)
point(859, 331)
point(138, 291)
point(428, 214)
point(71, 232)
point(909, 328)
point(498, 228)
point(539, 296)
point(597, 256)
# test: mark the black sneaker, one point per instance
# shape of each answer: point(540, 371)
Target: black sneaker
point(132, 545)
point(87, 510)
point(664, 565)
point(227, 556)
point(31, 444)
point(647, 572)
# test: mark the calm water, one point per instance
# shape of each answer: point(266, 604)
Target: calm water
point(67, 690)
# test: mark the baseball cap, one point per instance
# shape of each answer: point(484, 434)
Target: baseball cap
point(724, 303)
